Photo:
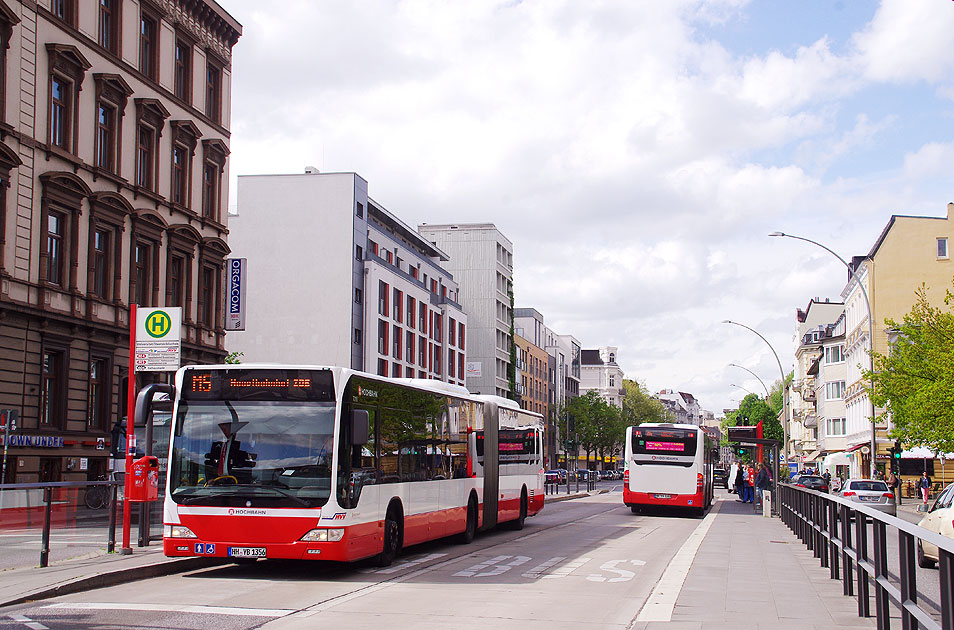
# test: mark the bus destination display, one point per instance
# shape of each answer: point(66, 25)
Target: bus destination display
point(258, 384)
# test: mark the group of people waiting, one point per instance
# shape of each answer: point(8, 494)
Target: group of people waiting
point(750, 482)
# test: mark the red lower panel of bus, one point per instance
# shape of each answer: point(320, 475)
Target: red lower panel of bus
point(661, 498)
point(225, 536)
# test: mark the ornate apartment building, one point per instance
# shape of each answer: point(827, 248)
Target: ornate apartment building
point(114, 144)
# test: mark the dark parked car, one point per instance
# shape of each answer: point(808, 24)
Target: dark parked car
point(554, 476)
point(721, 478)
point(812, 482)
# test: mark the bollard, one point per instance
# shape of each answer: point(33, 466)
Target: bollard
point(766, 503)
point(45, 539)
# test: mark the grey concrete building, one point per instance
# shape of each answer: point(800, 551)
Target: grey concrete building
point(481, 260)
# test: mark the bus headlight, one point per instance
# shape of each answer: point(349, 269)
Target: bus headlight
point(177, 531)
point(323, 535)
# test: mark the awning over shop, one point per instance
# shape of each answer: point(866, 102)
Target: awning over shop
point(837, 459)
point(811, 456)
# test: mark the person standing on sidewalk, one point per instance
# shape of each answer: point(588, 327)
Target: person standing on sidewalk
point(740, 482)
point(895, 484)
point(924, 483)
point(762, 481)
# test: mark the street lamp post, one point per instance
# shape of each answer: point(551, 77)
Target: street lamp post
point(743, 389)
point(784, 397)
point(864, 293)
point(756, 377)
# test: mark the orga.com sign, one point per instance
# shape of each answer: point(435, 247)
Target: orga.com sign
point(158, 339)
point(235, 311)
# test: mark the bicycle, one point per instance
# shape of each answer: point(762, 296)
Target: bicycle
point(97, 497)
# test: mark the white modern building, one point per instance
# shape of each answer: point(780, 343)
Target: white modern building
point(600, 372)
point(481, 259)
point(683, 406)
point(349, 284)
point(832, 370)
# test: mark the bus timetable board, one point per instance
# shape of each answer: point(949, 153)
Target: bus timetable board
point(257, 384)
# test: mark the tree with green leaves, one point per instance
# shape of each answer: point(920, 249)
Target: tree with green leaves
point(914, 382)
point(639, 406)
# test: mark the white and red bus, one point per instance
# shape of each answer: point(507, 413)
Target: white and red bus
point(328, 463)
point(669, 465)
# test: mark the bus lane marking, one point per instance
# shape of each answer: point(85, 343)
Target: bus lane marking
point(540, 569)
point(566, 569)
point(29, 623)
point(405, 564)
point(477, 568)
point(503, 568)
point(623, 575)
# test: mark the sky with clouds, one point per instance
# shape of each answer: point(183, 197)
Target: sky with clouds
point(637, 153)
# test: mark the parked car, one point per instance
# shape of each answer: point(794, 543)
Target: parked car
point(721, 478)
point(938, 520)
point(554, 476)
point(812, 482)
point(871, 493)
point(583, 474)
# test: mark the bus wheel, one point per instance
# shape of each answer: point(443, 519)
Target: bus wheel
point(467, 536)
point(518, 523)
point(392, 539)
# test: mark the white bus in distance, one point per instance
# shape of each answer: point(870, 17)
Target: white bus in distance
point(669, 465)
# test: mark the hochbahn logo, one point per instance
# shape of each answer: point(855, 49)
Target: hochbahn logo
point(158, 324)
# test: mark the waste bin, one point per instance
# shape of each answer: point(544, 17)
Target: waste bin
point(145, 479)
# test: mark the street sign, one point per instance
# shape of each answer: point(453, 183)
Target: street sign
point(8, 420)
point(158, 339)
point(235, 311)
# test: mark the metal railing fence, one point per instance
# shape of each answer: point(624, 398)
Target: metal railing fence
point(824, 524)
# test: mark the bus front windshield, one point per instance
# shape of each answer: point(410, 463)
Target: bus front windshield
point(252, 453)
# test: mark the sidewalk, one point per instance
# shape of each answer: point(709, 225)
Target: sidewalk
point(752, 572)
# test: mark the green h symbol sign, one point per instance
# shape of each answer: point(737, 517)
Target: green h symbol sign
point(158, 324)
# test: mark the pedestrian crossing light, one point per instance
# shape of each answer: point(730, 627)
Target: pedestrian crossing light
point(742, 451)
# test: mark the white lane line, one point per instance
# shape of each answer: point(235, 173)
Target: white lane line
point(29, 623)
point(408, 564)
point(662, 599)
point(211, 610)
point(566, 569)
point(540, 569)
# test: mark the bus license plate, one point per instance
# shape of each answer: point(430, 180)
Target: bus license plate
point(662, 496)
point(247, 552)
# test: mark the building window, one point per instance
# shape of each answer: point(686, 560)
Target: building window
point(942, 248)
point(450, 364)
point(396, 342)
point(145, 156)
point(100, 263)
point(65, 10)
point(422, 351)
point(460, 366)
point(409, 346)
point(438, 327)
point(422, 324)
point(382, 337)
point(61, 118)
point(382, 367)
point(106, 137)
point(410, 311)
point(359, 210)
point(213, 92)
point(460, 336)
point(834, 354)
point(451, 332)
point(358, 253)
point(185, 136)
point(383, 299)
point(212, 169)
point(97, 401)
point(109, 23)
point(835, 390)
point(148, 46)
point(612, 380)
point(142, 261)
point(436, 368)
point(52, 388)
point(180, 174)
point(207, 293)
point(836, 426)
point(358, 296)
point(398, 301)
point(357, 336)
point(183, 78)
point(176, 281)
point(395, 370)
point(54, 248)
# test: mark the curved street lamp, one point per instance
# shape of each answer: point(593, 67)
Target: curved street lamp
point(756, 377)
point(864, 293)
point(743, 389)
point(784, 397)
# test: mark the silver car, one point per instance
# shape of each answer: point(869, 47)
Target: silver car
point(870, 493)
point(940, 520)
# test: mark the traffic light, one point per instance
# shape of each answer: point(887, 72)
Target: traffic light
point(742, 451)
point(895, 456)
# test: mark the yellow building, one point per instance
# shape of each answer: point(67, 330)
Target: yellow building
point(910, 251)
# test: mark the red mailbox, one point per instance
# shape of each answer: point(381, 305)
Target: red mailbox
point(144, 480)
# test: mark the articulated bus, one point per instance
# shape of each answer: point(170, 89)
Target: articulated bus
point(327, 463)
point(669, 465)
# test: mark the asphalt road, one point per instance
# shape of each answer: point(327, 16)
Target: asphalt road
point(586, 563)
